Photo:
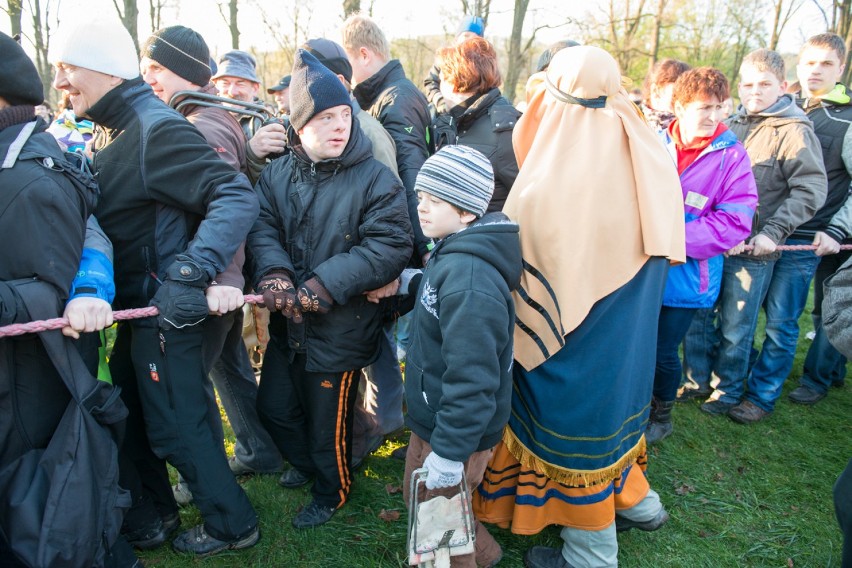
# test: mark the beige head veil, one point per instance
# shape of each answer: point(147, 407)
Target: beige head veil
point(596, 196)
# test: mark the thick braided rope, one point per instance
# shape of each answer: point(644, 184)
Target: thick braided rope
point(59, 323)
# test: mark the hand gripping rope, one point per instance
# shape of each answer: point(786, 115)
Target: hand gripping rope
point(59, 323)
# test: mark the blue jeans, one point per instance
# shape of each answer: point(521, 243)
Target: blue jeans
point(824, 365)
point(784, 304)
point(718, 354)
point(700, 345)
point(668, 371)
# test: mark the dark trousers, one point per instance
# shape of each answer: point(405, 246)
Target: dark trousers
point(230, 371)
point(162, 379)
point(309, 415)
point(673, 325)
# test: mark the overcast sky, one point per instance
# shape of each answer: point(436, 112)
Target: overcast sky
point(398, 18)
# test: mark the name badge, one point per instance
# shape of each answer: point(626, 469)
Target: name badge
point(696, 200)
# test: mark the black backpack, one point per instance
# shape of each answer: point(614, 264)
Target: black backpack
point(62, 505)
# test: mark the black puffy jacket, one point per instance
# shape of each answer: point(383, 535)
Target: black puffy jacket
point(485, 123)
point(395, 102)
point(39, 184)
point(345, 221)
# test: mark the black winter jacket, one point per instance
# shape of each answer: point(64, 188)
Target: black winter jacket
point(832, 120)
point(458, 375)
point(395, 102)
point(33, 191)
point(164, 192)
point(344, 221)
point(485, 123)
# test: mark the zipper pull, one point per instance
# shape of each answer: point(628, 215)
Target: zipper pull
point(313, 169)
point(162, 343)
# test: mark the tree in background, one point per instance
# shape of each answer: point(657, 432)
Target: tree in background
point(231, 20)
point(128, 11)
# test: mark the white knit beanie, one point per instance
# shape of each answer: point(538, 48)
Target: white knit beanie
point(103, 46)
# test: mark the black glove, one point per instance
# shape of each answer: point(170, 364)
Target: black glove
point(279, 295)
point(181, 299)
point(313, 297)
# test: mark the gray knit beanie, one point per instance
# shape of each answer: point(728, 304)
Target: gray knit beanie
point(459, 175)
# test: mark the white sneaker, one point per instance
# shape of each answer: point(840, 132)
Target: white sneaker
point(182, 494)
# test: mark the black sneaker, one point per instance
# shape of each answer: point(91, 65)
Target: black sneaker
point(545, 557)
point(805, 395)
point(313, 515)
point(400, 453)
point(198, 542)
point(717, 407)
point(148, 538)
point(293, 478)
point(171, 523)
point(684, 394)
point(624, 524)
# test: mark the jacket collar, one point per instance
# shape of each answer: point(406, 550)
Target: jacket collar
point(112, 110)
point(367, 92)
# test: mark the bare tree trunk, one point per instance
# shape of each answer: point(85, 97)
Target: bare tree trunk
point(481, 8)
point(41, 41)
point(15, 10)
point(515, 52)
point(233, 25)
point(130, 18)
point(155, 11)
point(655, 34)
point(231, 20)
point(350, 7)
point(780, 18)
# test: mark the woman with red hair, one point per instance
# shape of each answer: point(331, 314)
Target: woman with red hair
point(478, 116)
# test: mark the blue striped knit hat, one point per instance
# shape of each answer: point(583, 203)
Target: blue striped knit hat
point(459, 175)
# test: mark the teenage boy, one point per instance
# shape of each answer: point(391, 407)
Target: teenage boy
point(828, 104)
point(458, 397)
point(333, 225)
point(790, 178)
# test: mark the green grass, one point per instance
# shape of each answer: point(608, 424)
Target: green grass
point(750, 496)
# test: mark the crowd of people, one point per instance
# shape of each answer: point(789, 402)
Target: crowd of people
point(498, 253)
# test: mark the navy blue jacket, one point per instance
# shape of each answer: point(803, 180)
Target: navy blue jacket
point(458, 373)
point(164, 192)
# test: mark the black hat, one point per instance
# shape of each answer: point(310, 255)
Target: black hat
point(314, 88)
point(19, 80)
point(182, 51)
point(284, 83)
point(331, 55)
point(553, 49)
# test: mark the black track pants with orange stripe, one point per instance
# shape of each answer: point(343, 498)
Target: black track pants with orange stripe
point(309, 416)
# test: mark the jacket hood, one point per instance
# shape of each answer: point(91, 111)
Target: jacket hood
point(783, 111)
point(494, 238)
